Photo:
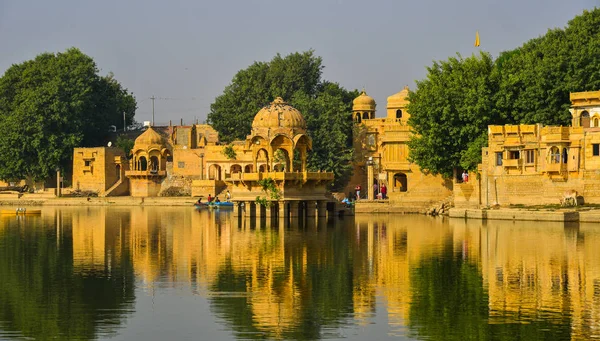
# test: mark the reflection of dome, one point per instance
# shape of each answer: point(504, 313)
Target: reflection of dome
point(363, 102)
point(399, 99)
point(148, 138)
point(279, 114)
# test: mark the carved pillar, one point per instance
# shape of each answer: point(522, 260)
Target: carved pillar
point(322, 208)
point(311, 208)
point(237, 209)
point(370, 180)
point(269, 210)
point(283, 210)
point(294, 208)
point(258, 211)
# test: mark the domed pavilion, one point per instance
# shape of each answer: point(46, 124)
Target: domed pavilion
point(148, 164)
point(279, 147)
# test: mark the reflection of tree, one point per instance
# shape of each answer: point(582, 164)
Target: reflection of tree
point(42, 297)
point(450, 303)
point(296, 298)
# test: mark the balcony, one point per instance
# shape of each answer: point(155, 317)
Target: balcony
point(145, 173)
point(556, 167)
point(512, 163)
point(281, 176)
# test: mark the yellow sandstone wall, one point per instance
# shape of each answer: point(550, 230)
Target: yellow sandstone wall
point(94, 169)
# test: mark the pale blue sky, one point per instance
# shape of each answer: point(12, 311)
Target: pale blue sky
point(189, 51)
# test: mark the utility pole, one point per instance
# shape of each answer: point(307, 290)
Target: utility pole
point(124, 124)
point(153, 98)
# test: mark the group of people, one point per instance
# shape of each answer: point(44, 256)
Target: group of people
point(210, 199)
point(378, 192)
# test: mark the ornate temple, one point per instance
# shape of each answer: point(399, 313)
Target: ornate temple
point(190, 161)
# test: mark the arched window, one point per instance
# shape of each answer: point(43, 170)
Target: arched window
point(365, 115)
point(235, 169)
point(584, 119)
point(248, 169)
point(554, 155)
point(398, 114)
point(143, 163)
point(154, 164)
point(358, 118)
point(596, 122)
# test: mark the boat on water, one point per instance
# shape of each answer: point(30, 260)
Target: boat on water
point(222, 204)
point(20, 211)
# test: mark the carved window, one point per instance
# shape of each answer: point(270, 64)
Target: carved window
point(530, 156)
point(554, 155)
point(498, 158)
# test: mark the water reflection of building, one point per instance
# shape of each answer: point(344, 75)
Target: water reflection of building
point(544, 270)
point(284, 278)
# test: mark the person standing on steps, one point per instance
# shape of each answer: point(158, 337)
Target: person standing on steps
point(357, 189)
point(383, 191)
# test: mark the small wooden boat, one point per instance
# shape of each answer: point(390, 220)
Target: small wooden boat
point(20, 211)
point(221, 204)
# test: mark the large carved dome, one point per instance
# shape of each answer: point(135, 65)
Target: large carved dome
point(279, 114)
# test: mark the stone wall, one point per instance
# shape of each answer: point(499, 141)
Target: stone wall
point(468, 194)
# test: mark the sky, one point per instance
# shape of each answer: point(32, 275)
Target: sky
point(184, 52)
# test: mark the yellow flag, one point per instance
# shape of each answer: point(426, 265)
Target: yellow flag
point(477, 39)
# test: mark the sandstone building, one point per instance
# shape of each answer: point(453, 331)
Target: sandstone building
point(381, 155)
point(535, 164)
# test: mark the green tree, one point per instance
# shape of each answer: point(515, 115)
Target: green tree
point(125, 144)
point(450, 111)
point(325, 105)
point(256, 86)
point(536, 78)
point(451, 108)
point(51, 104)
point(329, 123)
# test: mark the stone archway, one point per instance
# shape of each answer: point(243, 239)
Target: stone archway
point(142, 163)
point(584, 119)
point(214, 172)
point(281, 160)
point(235, 169)
point(400, 182)
point(154, 164)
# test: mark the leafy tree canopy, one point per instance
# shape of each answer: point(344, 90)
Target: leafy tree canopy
point(326, 107)
point(451, 108)
point(51, 104)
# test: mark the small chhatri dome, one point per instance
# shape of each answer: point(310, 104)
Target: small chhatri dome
point(148, 138)
point(279, 114)
point(363, 102)
point(399, 99)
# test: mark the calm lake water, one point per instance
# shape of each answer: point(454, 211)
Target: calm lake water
point(159, 273)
